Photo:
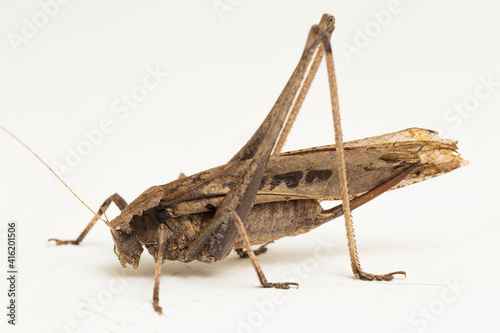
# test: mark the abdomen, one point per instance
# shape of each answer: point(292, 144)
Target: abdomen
point(266, 222)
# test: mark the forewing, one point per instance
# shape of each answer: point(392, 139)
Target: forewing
point(312, 173)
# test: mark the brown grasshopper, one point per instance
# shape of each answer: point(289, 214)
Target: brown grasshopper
point(262, 195)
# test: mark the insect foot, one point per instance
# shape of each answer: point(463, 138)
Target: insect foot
point(386, 277)
point(157, 307)
point(262, 249)
point(64, 242)
point(280, 285)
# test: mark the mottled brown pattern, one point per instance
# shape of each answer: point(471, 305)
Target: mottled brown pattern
point(264, 224)
point(321, 175)
point(369, 161)
point(290, 179)
point(259, 196)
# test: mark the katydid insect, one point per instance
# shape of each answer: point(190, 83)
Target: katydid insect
point(262, 194)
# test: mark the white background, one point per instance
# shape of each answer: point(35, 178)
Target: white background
point(225, 72)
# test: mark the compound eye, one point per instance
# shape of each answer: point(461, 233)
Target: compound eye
point(125, 236)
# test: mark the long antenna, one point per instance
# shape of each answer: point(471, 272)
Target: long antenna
point(55, 174)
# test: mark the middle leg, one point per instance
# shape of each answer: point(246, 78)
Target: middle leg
point(260, 274)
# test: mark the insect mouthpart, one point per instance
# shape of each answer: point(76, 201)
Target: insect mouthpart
point(126, 258)
point(127, 247)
